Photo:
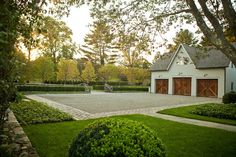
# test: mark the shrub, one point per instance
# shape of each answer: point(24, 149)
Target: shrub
point(130, 88)
point(98, 87)
point(92, 83)
point(19, 97)
point(229, 97)
point(116, 137)
point(123, 88)
point(222, 111)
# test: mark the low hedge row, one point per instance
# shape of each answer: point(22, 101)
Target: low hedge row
point(222, 111)
point(130, 88)
point(112, 83)
point(123, 88)
point(49, 88)
point(98, 87)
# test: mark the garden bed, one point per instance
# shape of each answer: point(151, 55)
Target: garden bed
point(32, 112)
point(220, 113)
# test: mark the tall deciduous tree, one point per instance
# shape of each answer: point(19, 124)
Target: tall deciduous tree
point(88, 74)
point(30, 37)
point(43, 69)
point(67, 70)
point(137, 75)
point(11, 12)
point(57, 40)
point(211, 16)
point(22, 68)
point(133, 48)
point(99, 46)
point(108, 72)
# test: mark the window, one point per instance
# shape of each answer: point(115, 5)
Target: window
point(232, 86)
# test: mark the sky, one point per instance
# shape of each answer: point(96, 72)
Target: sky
point(78, 21)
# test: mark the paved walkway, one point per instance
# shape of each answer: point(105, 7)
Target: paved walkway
point(79, 114)
point(195, 122)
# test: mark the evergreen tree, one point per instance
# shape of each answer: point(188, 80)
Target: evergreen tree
point(98, 46)
point(184, 36)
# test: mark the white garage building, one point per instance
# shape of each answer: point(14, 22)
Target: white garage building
point(193, 72)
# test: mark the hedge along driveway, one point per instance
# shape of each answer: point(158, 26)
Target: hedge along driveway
point(111, 102)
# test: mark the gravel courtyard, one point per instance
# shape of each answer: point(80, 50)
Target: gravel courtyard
point(111, 102)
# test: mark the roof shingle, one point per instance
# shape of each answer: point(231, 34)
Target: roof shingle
point(202, 59)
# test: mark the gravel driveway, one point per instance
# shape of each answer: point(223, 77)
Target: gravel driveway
point(110, 102)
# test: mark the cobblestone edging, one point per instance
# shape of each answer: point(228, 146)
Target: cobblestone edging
point(21, 145)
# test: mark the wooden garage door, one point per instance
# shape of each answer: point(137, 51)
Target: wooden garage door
point(182, 86)
point(207, 87)
point(162, 86)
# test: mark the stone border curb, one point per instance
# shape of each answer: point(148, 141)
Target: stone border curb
point(21, 145)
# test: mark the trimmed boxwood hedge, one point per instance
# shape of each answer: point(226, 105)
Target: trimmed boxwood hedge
point(117, 138)
point(112, 83)
point(229, 97)
point(49, 88)
point(222, 111)
point(130, 88)
point(98, 87)
point(123, 88)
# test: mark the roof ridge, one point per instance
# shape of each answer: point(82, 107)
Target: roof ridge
point(211, 58)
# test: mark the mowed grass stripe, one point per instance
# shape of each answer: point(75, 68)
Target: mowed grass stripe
point(53, 140)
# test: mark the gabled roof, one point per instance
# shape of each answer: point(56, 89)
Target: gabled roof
point(202, 59)
point(162, 63)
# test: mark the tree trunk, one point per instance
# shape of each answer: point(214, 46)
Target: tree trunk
point(29, 55)
point(217, 40)
point(55, 65)
point(230, 15)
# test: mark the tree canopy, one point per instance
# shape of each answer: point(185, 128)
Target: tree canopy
point(11, 27)
point(133, 48)
point(57, 39)
point(211, 17)
point(88, 74)
point(67, 70)
point(43, 69)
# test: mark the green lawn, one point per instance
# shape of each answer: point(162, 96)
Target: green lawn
point(186, 112)
point(181, 140)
